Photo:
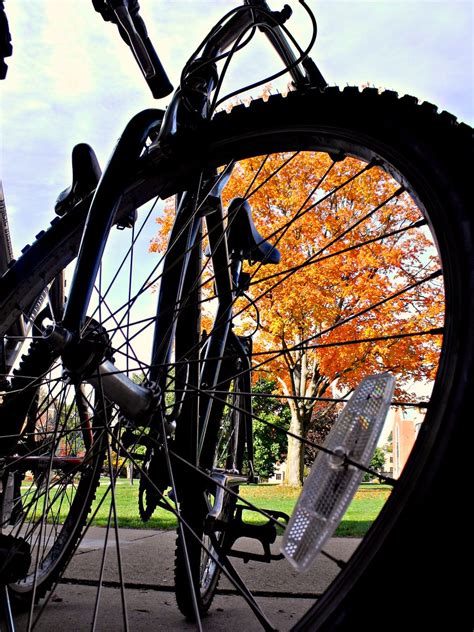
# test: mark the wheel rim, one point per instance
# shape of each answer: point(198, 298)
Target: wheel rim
point(410, 219)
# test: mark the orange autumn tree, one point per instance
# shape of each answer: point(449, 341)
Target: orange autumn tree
point(350, 237)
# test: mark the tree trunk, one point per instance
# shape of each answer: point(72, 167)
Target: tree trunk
point(294, 460)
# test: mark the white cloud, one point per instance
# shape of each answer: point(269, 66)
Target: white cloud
point(72, 79)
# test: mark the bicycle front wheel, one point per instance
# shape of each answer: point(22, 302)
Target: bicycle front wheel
point(360, 194)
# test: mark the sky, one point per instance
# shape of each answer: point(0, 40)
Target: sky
point(72, 79)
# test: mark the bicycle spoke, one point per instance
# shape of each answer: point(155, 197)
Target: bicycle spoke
point(112, 516)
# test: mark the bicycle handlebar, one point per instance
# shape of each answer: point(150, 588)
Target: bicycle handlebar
point(125, 14)
point(132, 29)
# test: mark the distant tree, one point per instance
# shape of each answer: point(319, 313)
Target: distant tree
point(270, 445)
point(377, 463)
point(318, 428)
point(347, 242)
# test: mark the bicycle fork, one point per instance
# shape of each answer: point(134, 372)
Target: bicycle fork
point(179, 287)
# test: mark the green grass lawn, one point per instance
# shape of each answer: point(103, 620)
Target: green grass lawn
point(363, 510)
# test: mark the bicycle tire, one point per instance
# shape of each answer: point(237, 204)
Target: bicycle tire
point(415, 144)
point(39, 264)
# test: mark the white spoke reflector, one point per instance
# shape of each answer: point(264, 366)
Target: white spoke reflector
point(332, 482)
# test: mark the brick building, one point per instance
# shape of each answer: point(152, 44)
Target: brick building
point(405, 429)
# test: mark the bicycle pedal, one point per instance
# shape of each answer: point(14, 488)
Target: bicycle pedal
point(265, 533)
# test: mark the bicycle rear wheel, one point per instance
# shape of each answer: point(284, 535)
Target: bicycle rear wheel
point(52, 458)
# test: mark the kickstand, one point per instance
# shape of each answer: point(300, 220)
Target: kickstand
point(5, 610)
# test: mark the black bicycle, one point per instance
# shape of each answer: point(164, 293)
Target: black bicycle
point(311, 240)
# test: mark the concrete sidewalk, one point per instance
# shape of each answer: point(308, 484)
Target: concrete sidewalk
point(147, 562)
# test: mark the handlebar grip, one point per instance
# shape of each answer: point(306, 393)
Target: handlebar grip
point(132, 29)
point(158, 81)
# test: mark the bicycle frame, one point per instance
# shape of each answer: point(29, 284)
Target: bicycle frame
point(180, 287)
point(178, 278)
point(199, 89)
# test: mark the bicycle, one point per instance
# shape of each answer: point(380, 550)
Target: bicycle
point(186, 422)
